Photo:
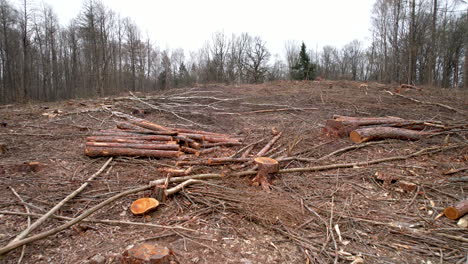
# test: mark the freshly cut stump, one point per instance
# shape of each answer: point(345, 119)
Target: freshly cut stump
point(143, 205)
point(457, 211)
point(147, 253)
point(266, 166)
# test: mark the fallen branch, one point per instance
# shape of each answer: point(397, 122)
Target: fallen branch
point(268, 146)
point(58, 206)
point(426, 102)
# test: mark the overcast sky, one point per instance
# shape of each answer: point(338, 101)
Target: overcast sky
point(188, 24)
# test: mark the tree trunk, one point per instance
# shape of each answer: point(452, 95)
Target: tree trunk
point(106, 152)
point(366, 134)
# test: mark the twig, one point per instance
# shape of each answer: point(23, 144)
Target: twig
point(58, 206)
point(29, 221)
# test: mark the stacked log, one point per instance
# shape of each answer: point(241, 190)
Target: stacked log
point(139, 137)
point(362, 129)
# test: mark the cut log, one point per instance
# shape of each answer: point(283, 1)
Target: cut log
point(147, 124)
point(371, 133)
point(335, 128)
point(134, 146)
point(190, 131)
point(147, 253)
point(137, 137)
point(109, 152)
point(213, 139)
point(266, 166)
point(193, 136)
point(132, 140)
point(132, 133)
point(143, 206)
point(190, 151)
point(457, 211)
point(365, 121)
point(219, 144)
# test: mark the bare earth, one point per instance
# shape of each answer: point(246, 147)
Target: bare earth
point(338, 215)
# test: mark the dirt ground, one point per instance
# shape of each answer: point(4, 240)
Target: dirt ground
point(344, 215)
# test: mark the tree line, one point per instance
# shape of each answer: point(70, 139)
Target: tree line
point(100, 53)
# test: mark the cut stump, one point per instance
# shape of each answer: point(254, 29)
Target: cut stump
point(147, 254)
point(143, 205)
point(266, 166)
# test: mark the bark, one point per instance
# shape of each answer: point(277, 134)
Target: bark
point(457, 211)
point(134, 146)
point(105, 152)
point(213, 139)
point(366, 134)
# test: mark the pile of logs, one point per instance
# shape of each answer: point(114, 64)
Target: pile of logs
point(362, 129)
point(139, 137)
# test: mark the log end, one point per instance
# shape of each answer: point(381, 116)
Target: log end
point(356, 137)
point(143, 205)
point(452, 213)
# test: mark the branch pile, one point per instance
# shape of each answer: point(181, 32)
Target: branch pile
point(139, 137)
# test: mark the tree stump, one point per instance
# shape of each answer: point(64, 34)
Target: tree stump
point(266, 167)
point(143, 205)
point(147, 254)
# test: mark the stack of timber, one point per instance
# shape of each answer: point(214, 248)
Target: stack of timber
point(139, 137)
point(362, 129)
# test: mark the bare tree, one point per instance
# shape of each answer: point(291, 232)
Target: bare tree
point(257, 60)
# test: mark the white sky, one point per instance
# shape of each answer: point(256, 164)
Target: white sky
point(188, 24)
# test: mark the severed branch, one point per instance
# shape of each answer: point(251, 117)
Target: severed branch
point(57, 207)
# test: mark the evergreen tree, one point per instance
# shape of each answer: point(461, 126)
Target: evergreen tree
point(304, 69)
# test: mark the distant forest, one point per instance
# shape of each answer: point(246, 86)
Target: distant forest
point(421, 42)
